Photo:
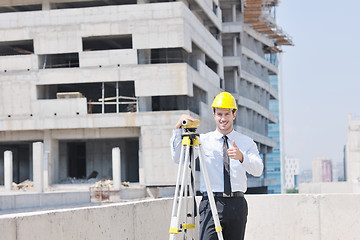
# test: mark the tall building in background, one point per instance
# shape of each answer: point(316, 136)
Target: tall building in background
point(322, 170)
point(252, 52)
point(352, 150)
point(273, 161)
point(344, 165)
point(84, 76)
point(292, 171)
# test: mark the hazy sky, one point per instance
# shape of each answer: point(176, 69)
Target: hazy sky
point(321, 80)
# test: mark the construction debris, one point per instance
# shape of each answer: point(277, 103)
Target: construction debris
point(101, 190)
point(102, 184)
point(25, 185)
point(73, 180)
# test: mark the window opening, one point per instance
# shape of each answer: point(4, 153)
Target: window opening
point(64, 60)
point(22, 161)
point(82, 160)
point(106, 97)
point(181, 102)
point(211, 63)
point(107, 42)
point(169, 55)
point(94, 3)
point(76, 153)
point(22, 8)
point(25, 47)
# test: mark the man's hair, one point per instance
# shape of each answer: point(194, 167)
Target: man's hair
point(233, 110)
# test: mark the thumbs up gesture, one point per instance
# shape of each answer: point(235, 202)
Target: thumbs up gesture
point(235, 153)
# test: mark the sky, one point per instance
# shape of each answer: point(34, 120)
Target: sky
point(320, 76)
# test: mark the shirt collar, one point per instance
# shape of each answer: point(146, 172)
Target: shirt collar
point(219, 135)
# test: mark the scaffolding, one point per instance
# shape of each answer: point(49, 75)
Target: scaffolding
point(257, 14)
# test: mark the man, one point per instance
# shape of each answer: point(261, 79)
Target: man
point(228, 156)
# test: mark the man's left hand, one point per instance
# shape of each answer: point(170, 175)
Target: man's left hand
point(235, 153)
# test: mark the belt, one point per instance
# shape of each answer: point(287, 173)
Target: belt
point(221, 194)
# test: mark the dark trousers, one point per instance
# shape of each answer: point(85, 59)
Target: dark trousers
point(232, 215)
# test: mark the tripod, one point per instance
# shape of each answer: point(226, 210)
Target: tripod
point(190, 145)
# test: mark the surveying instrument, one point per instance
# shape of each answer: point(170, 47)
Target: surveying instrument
point(190, 145)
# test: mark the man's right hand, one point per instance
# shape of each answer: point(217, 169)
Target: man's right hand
point(182, 118)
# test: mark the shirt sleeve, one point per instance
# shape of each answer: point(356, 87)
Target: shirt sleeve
point(252, 161)
point(175, 145)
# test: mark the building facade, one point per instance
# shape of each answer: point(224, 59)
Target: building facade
point(352, 150)
point(86, 76)
point(292, 171)
point(273, 163)
point(322, 170)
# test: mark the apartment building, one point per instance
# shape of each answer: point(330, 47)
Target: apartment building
point(322, 170)
point(292, 171)
point(84, 77)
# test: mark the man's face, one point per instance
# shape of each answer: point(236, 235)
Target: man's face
point(224, 119)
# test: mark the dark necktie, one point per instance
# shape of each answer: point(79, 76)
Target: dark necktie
point(227, 183)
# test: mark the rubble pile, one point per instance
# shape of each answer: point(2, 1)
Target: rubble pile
point(73, 180)
point(103, 184)
point(101, 190)
point(25, 185)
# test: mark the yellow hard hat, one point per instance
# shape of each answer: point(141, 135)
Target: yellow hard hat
point(224, 100)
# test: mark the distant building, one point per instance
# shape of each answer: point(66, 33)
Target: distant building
point(344, 164)
point(347, 173)
point(338, 172)
point(273, 161)
point(292, 171)
point(305, 176)
point(352, 153)
point(322, 170)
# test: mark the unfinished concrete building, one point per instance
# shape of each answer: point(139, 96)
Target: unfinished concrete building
point(85, 76)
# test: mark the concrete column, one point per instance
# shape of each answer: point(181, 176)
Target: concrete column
point(116, 168)
point(141, 162)
point(236, 80)
point(145, 104)
point(144, 56)
point(38, 166)
point(117, 97)
point(102, 98)
point(234, 12)
point(51, 156)
point(46, 5)
point(235, 46)
point(8, 169)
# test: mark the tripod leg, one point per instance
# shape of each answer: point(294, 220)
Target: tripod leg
point(185, 209)
point(189, 206)
point(210, 195)
point(173, 225)
point(192, 193)
point(174, 228)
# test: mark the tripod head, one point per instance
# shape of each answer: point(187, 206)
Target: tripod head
point(190, 129)
point(190, 124)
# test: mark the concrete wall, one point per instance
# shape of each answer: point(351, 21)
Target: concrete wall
point(330, 187)
point(302, 217)
point(281, 217)
point(26, 200)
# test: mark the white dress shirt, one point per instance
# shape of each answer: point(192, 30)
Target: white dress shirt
point(212, 145)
